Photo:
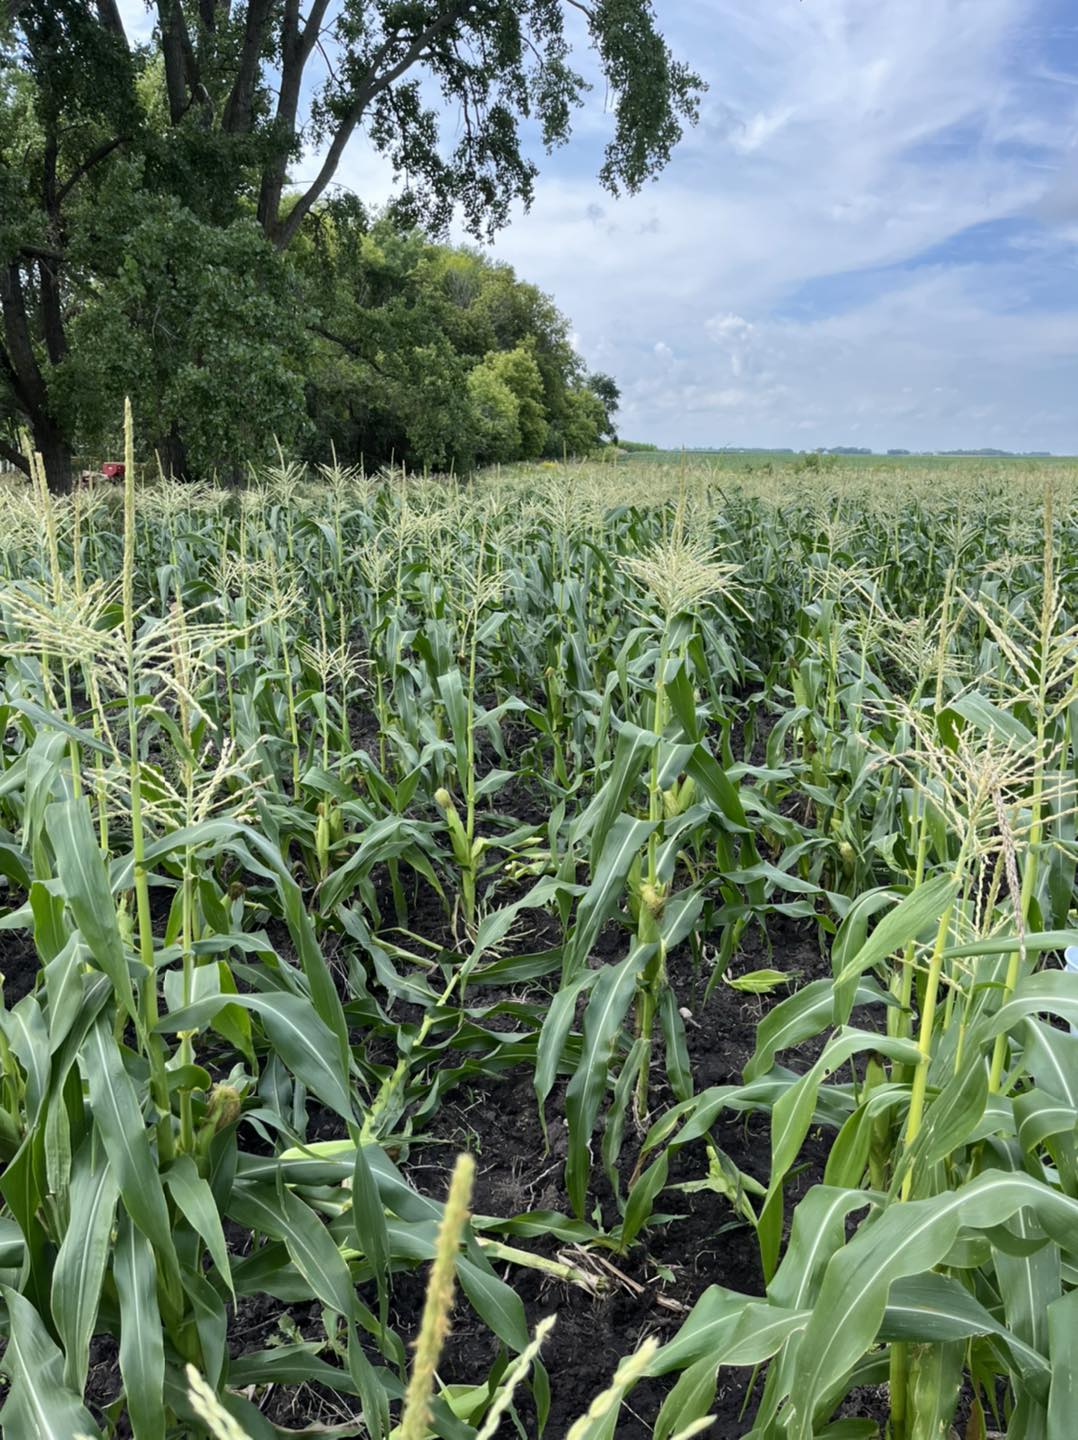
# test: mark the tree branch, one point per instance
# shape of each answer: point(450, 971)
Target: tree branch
point(182, 80)
point(348, 346)
point(14, 457)
point(20, 360)
point(240, 103)
point(108, 13)
point(40, 252)
point(94, 158)
point(297, 42)
point(375, 85)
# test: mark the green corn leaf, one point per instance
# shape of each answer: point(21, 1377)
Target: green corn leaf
point(932, 1309)
point(302, 1040)
point(983, 715)
point(87, 891)
point(369, 1222)
point(817, 1231)
point(640, 1201)
point(678, 1063)
point(497, 1304)
point(44, 760)
point(372, 1393)
point(118, 1118)
point(792, 1115)
point(82, 1260)
point(19, 1185)
point(761, 1330)
point(607, 1006)
point(1055, 991)
point(12, 1245)
point(936, 1378)
point(451, 689)
point(1051, 1057)
point(712, 781)
point(496, 925)
point(798, 1018)
point(51, 932)
point(142, 1353)
point(385, 839)
point(552, 1036)
point(211, 1322)
point(759, 982)
point(1040, 1116)
point(1028, 1283)
point(283, 1216)
point(906, 1239)
point(1034, 944)
point(633, 749)
point(289, 1365)
point(1063, 1343)
point(704, 1331)
point(624, 841)
point(690, 1399)
point(39, 1406)
point(324, 997)
point(954, 1114)
point(65, 990)
point(195, 1201)
point(51, 721)
point(919, 909)
point(26, 1032)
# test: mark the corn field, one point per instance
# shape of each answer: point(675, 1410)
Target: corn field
point(694, 849)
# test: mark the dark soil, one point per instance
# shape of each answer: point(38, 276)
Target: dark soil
point(670, 1267)
point(19, 964)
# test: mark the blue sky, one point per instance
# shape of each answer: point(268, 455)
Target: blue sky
point(870, 239)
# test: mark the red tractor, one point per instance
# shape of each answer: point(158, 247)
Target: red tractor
point(109, 470)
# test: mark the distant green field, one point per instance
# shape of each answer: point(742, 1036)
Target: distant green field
point(787, 460)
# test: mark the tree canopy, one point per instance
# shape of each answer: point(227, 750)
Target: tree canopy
point(151, 238)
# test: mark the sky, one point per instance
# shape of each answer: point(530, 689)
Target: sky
point(871, 238)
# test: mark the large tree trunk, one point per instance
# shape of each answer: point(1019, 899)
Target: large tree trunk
point(28, 383)
point(54, 450)
point(174, 460)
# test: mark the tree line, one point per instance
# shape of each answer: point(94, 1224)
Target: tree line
point(153, 241)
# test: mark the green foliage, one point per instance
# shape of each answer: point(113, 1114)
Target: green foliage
point(814, 462)
point(497, 415)
point(433, 356)
point(515, 374)
point(201, 325)
point(108, 149)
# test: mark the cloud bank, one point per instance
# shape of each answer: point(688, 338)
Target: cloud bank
point(871, 238)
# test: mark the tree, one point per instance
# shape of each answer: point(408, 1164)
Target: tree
point(497, 415)
point(196, 321)
point(403, 322)
point(518, 372)
point(216, 106)
point(605, 389)
point(585, 422)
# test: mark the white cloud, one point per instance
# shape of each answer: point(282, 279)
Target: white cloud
point(926, 364)
point(839, 137)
